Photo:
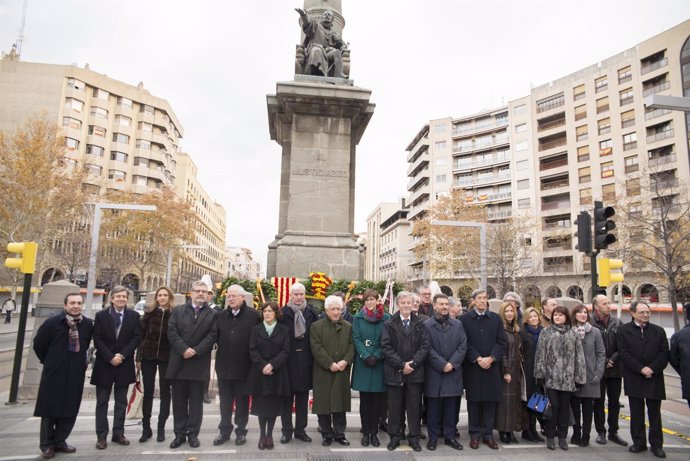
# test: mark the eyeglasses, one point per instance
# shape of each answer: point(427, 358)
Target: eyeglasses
point(199, 291)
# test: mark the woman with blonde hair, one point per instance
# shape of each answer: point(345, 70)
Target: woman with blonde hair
point(509, 412)
point(152, 357)
point(529, 334)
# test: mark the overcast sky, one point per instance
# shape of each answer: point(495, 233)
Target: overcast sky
point(215, 61)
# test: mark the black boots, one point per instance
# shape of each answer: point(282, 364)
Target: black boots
point(146, 434)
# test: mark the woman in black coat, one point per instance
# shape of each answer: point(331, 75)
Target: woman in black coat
point(529, 334)
point(268, 381)
point(152, 357)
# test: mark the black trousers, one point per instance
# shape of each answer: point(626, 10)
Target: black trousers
point(481, 418)
point(148, 376)
point(102, 400)
point(188, 406)
point(333, 425)
point(558, 424)
point(656, 436)
point(370, 410)
point(54, 431)
point(582, 413)
point(611, 388)
point(232, 390)
point(411, 395)
point(301, 400)
point(441, 417)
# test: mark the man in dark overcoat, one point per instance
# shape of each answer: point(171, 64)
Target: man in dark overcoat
point(486, 344)
point(116, 335)
point(443, 372)
point(643, 350)
point(405, 345)
point(192, 332)
point(61, 345)
point(612, 381)
point(679, 356)
point(232, 364)
point(298, 316)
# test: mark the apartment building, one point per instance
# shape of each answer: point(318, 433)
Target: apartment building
point(209, 229)
point(241, 263)
point(549, 155)
point(387, 251)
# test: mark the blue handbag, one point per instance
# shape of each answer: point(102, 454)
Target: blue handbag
point(539, 403)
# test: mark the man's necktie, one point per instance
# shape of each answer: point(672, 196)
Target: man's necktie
point(406, 325)
point(118, 323)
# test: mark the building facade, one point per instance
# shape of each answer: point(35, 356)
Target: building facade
point(549, 155)
point(387, 250)
point(241, 264)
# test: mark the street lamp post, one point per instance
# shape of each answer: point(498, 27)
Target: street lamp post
point(168, 271)
point(482, 243)
point(95, 231)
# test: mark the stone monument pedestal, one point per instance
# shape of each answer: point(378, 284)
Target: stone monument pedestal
point(318, 121)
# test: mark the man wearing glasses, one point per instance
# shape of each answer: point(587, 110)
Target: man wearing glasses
point(192, 332)
point(643, 350)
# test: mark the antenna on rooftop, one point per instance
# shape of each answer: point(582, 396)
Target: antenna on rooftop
point(20, 40)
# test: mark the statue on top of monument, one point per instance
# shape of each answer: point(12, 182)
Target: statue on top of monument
point(323, 49)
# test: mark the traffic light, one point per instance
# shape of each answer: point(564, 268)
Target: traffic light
point(27, 263)
point(584, 232)
point(603, 225)
point(604, 268)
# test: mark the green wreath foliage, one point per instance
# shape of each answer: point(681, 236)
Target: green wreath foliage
point(248, 286)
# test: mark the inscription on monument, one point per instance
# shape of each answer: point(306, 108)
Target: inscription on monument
point(320, 173)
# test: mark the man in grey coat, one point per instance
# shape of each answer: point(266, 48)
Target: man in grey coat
point(192, 332)
point(443, 370)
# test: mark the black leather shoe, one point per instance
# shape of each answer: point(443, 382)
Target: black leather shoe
point(550, 443)
point(615, 438)
point(194, 442)
point(207, 399)
point(48, 453)
point(285, 439)
point(302, 437)
point(178, 441)
point(240, 439)
point(366, 440)
point(221, 439)
point(527, 435)
point(375, 442)
point(637, 449)
point(327, 442)
point(601, 439)
point(160, 437)
point(454, 444)
point(343, 442)
point(415, 446)
point(504, 437)
point(101, 444)
point(393, 444)
point(659, 452)
point(431, 444)
point(65, 449)
point(563, 443)
point(146, 434)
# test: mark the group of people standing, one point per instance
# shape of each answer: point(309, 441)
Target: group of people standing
point(408, 367)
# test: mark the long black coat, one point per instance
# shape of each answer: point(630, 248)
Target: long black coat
point(300, 361)
point(108, 344)
point(399, 347)
point(265, 349)
point(62, 378)
point(529, 353)
point(680, 357)
point(232, 356)
point(637, 350)
point(196, 331)
point(485, 337)
point(448, 344)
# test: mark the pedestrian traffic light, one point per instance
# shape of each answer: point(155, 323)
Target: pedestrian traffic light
point(604, 268)
point(584, 232)
point(603, 225)
point(27, 263)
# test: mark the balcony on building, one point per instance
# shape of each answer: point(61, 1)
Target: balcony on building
point(498, 213)
point(555, 204)
point(558, 264)
point(558, 243)
point(653, 62)
point(419, 194)
point(500, 194)
point(551, 162)
point(554, 184)
point(487, 177)
point(419, 177)
point(553, 141)
point(550, 103)
point(551, 122)
point(660, 156)
point(418, 144)
point(479, 125)
point(420, 161)
point(665, 206)
point(468, 162)
point(483, 142)
point(663, 181)
point(656, 85)
point(660, 131)
point(650, 113)
point(556, 224)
